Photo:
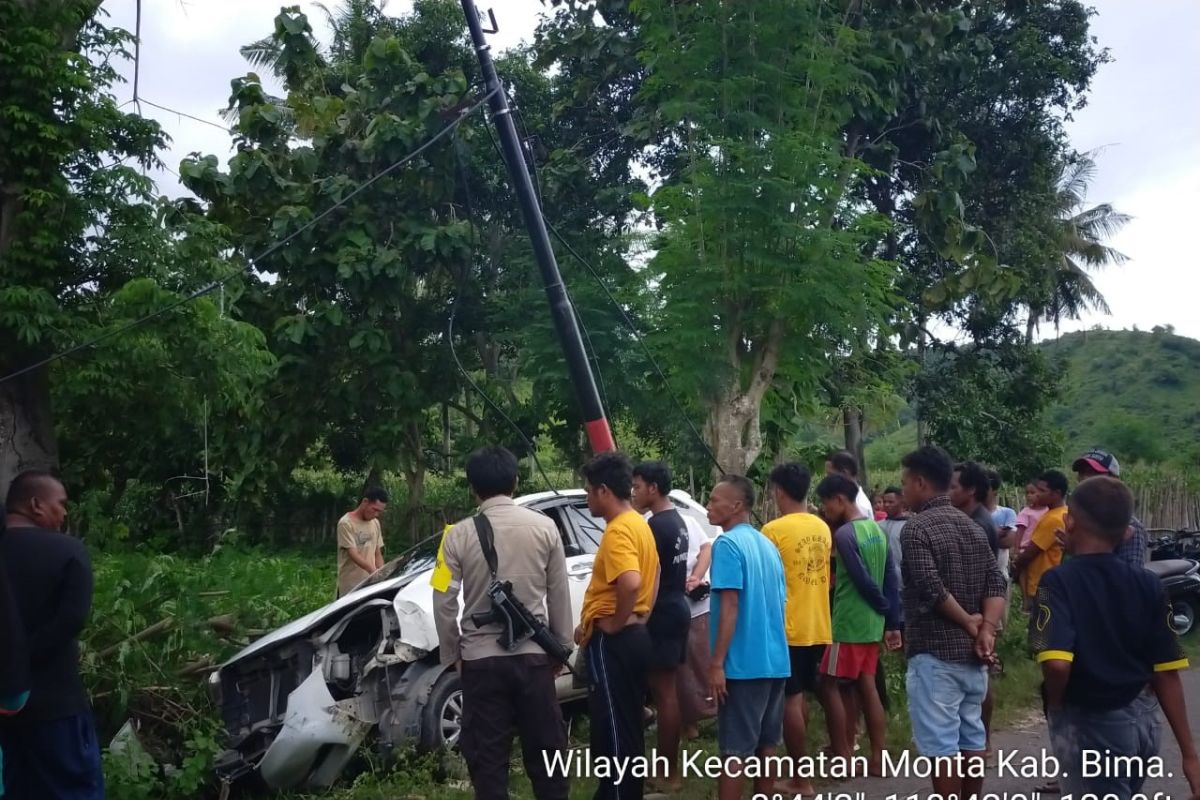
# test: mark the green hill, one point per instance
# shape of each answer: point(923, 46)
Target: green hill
point(1136, 393)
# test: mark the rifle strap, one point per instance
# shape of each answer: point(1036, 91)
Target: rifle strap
point(483, 529)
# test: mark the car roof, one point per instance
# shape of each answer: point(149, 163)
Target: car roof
point(537, 497)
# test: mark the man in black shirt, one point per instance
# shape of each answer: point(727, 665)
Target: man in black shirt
point(50, 748)
point(968, 493)
point(671, 616)
point(1102, 633)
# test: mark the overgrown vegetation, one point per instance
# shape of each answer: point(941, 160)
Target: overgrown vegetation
point(160, 623)
point(1135, 391)
point(904, 167)
point(788, 199)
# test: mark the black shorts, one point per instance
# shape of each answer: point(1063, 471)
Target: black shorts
point(806, 666)
point(668, 626)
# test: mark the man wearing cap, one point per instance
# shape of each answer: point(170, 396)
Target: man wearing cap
point(1101, 462)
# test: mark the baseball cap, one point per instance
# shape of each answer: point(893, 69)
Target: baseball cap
point(1102, 461)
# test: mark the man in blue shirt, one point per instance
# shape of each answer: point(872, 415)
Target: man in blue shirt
point(750, 660)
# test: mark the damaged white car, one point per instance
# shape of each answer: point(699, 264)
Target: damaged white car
point(298, 702)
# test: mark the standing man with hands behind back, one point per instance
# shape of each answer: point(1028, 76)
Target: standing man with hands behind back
point(360, 541)
point(505, 689)
point(953, 600)
point(616, 607)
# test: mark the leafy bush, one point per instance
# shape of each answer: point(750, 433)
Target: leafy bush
point(158, 681)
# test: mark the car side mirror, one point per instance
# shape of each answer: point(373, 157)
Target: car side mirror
point(571, 550)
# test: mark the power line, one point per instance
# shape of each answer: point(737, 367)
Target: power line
point(181, 114)
point(531, 165)
point(638, 338)
point(462, 285)
point(137, 54)
point(621, 309)
point(260, 257)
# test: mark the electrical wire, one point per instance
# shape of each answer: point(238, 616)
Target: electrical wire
point(462, 286)
point(179, 113)
point(590, 349)
point(260, 257)
point(629, 323)
point(137, 54)
point(624, 315)
point(531, 162)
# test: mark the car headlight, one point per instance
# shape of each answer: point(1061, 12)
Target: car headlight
point(214, 688)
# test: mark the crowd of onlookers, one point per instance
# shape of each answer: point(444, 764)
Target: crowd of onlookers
point(801, 610)
point(749, 627)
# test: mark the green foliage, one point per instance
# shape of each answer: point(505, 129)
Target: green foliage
point(989, 405)
point(357, 301)
point(85, 249)
point(761, 258)
point(159, 682)
point(1127, 391)
point(1131, 392)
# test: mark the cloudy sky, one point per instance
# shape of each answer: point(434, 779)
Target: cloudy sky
point(1146, 128)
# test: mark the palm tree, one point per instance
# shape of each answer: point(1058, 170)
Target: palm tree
point(354, 25)
point(1081, 235)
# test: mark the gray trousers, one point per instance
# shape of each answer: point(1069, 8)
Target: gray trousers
point(1081, 737)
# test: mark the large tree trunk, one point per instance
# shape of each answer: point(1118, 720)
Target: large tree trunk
point(733, 420)
point(414, 479)
point(852, 427)
point(26, 426)
point(27, 438)
point(734, 433)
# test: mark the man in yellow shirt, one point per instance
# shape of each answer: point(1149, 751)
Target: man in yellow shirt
point(616, 606)
point(1044, 552)
point(805, 545)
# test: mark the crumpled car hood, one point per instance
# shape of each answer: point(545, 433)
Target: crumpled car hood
point(310, 622)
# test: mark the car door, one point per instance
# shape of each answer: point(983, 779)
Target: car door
point(581, 538)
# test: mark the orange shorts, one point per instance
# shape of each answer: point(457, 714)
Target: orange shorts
point(849, 660)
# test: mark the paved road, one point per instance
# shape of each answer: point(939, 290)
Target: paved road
point(1031, 739)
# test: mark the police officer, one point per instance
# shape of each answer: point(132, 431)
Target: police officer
point(505, 690)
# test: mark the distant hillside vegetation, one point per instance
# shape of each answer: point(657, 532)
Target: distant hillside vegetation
point(1136, 393)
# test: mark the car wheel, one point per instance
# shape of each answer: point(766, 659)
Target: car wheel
point(1183, 616)
point(441, 719)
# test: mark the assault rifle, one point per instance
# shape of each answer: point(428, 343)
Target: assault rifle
point(517, 622)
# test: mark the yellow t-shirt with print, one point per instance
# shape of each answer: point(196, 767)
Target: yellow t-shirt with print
point(805, 545)
point(626, 546)
point(1050, 552)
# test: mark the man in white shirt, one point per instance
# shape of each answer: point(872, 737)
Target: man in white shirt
point(841, 462)
point(695, 703)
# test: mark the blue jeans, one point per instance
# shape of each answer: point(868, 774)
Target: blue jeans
point(1128, 731)
point(945, 703)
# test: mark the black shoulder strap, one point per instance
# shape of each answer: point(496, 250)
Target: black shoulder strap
point(483, 529)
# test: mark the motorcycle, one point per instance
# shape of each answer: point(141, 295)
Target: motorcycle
point(1175, 559)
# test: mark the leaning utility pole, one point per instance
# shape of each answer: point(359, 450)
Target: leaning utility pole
point(598, 432)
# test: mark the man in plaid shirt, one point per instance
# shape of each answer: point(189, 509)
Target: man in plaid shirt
point(953, 601)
